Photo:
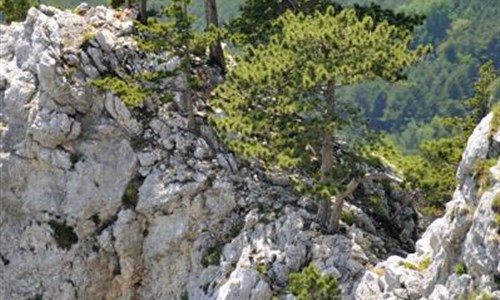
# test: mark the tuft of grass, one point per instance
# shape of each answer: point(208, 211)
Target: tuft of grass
point(374, 201)
point(213, 256)
point(485, 296)
point(78, 11)
point(475, 295)
point(408, 265)
point(495, 206)
point(421, 266)
point(460, 268)
point(131, 195)
point(481, 171)
point(379, 271)
point(235, 230)
point(495, 122)
point(424, 264)
point(465, 210)
point(347, 217)
point(86, 38)
point(262, 268)
point(167, 98)
point(432, 211)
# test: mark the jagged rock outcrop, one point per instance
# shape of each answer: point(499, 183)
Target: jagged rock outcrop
point(459, 254)
point(103, 202)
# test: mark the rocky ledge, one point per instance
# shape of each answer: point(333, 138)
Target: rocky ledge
point(103, 202)
point(458, 256)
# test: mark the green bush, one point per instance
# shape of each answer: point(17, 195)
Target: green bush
point(311, 285)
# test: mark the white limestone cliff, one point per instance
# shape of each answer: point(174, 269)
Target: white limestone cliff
point(459, 254)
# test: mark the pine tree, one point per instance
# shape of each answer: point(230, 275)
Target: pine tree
point(176, 38)
point(280, 105)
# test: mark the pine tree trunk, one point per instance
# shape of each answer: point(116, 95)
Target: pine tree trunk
point(324, 213)
point(128, 3)
point(190, 110)
point(216, 53)
point(327, 159)
point(143, 14)
point(187, 71)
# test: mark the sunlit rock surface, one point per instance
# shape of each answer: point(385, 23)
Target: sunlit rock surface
point(99, 201)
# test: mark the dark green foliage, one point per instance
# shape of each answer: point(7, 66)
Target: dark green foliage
point(432, 171)
point(274, 103)
point(212, 257)
point(311, 285)
point(256, 22)
point(131, 195)
point(116, 3)
point(74, 158)
point(64, 235)
point(185, 295)
point(16, 10)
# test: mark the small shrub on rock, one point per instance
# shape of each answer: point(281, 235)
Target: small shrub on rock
point(311, 285)
point(460, 269)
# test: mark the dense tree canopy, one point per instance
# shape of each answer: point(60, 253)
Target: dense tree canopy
point(16, 10)
point(279, 105)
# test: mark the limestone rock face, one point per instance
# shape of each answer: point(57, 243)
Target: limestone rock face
point(100, 201)
point(459, 254)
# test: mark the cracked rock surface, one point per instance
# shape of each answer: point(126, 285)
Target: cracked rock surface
point(467, 236)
